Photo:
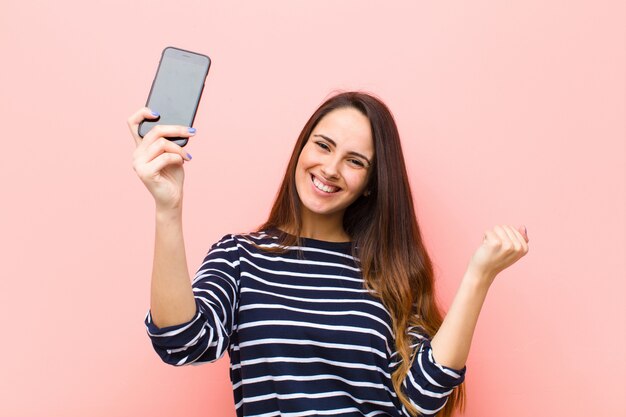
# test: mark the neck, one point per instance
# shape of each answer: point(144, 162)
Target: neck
point(327, 227)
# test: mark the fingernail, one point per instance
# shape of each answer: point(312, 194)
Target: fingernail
point(154, 113)
point(192, 130)
point(189, 156)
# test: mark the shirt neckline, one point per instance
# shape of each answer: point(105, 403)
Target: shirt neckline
point(321, 244)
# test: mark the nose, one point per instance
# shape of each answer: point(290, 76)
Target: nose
point(330, 168)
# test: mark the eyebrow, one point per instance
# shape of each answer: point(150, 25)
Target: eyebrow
point(332, 142)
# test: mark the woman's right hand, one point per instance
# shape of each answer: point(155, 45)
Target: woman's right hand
point(158, 161)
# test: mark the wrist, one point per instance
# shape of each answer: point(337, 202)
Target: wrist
point(478, 279)
point(168, 214)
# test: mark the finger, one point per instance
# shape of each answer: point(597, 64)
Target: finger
point(161, 162)
point(501, 234)
point(491, 238)
point(521, 247)
point(136, 118)
point(514, 236)
point(524, 231)
point(508, 242)
point(159, 147)
point(167, 131)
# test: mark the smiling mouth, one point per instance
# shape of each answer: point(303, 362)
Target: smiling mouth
point(322, 187)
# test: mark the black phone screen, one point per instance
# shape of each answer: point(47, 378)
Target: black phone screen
point(176, 89)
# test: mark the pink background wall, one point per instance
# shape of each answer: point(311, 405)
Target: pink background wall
point(510, 112)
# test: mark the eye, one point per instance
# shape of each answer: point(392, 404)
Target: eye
point(323, 145)
point(356, 162)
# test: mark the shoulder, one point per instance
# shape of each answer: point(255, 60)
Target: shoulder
point(231, 248)
point(251, 241)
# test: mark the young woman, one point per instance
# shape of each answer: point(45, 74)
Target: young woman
point(329, 308)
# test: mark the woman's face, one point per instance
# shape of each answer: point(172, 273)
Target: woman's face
point(335, 164)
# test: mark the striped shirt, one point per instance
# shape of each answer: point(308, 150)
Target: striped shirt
point(304, 336)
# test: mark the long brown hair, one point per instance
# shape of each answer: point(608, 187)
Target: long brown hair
point(384, 228)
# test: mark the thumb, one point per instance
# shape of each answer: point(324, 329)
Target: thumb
point(522, 229)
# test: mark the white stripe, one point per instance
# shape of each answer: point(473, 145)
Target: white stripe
point(223, 241)
point(212, 344)
point(202, 273)
point(226, 249)
point(222, 335)
point(275, 258)
point(213, 358)
point(428, 377)
point(327, 394)
point(216, 285)
point(300, 342)
point(175, 331)
point(226, 310)
point(302, 248)
point(338, 411)
point(352, 329)
point(233, 265)
point(302, 274)
point(303, 287)
point(215, 303)
point(307, 378)
point(324, 313)
point(425, 410)
point(192, 342)
point(256, 237)
point(418, 336)
point(444, 370)
point(183, 361)
point(319, 300)
point(273, 359)
point(425, 391)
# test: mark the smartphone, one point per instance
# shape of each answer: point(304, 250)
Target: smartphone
point(176, 90)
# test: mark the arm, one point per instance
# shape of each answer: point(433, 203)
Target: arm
point(171, 296)
point(439, 364)
point(452, 342)
point(502, 246)
point(185, 325)
point(159, 164)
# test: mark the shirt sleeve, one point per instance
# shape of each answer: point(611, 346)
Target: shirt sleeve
point(206, 336)
point(428, 383)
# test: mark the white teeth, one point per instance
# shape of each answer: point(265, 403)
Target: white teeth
point(326, 188)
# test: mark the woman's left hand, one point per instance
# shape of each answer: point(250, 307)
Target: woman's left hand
point(502, 246)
